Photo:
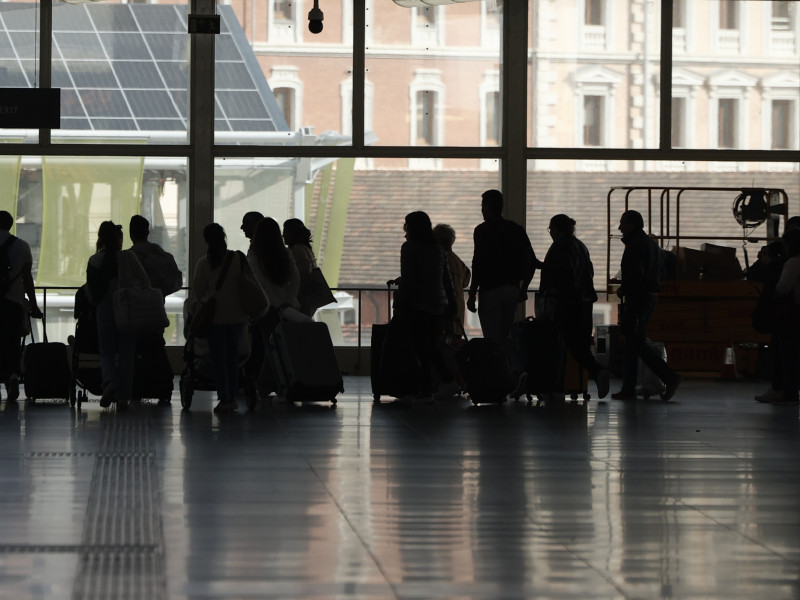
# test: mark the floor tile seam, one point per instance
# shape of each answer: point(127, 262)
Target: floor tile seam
point(77, 548)
point(361, 539)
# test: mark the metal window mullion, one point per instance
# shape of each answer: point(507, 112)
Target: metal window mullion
point(665, 108)
point(45, 57)
point(359, 69)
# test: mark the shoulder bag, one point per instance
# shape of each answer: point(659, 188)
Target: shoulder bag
point(203, 319)
point(251, 295)
point(137, 307)
point(314, 291)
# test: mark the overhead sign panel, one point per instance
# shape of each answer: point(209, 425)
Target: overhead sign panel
point(30, 108)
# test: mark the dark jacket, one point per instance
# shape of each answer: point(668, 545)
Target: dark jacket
point(503, 255)
point(568, 271)
point(424, 278)
point(641, 266)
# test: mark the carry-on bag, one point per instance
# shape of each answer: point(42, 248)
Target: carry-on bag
point(152, 371)
point(46, 370)
point(484, 366)
point(540, 351)
point(304, 362)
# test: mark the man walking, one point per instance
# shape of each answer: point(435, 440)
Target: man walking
point(16, 282)
point(641, 277)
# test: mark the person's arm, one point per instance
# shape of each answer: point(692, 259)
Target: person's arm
point(30, 290)
point(531, 264)
point(477, 272)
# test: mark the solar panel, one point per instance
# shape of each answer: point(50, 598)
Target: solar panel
point(125, 67)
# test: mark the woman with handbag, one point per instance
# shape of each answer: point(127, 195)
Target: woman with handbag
point(110, 266)
point(314, 291)
point(217, 276)
point(276, 271)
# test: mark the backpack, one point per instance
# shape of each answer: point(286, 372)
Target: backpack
point(5, 266)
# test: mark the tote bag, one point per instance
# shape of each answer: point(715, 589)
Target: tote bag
point(137, 306)
point(315, 292)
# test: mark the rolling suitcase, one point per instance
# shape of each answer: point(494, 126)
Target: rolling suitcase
point(575, 382)
point(540, 350)
point(152, 371)
point(304, 362)
point(484, 366)
point(46, 370)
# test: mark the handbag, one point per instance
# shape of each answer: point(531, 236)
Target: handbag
point(137, 306)
point(203, 317)
point(314, 291)
point(254, 300)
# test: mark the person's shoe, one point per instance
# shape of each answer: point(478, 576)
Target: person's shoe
point(122, 404)
point(770, 396)
point(522, 383)
point(109, 394)
point(12, 387)
point(671, 387)
point(623, 395)
point(602, 382)
point(446, 390)
point(225, 406)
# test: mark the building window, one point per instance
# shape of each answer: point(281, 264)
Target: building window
point(594, 12)
point(283, 18)
point(729, 19)
point(284, 11)
point(729, 14)
point(727, 122)
point(593, 120)
point(678, 116)
point(678, 17)
point(427, 26)
point(286, 101)
point(783, 123)
point(490, 24)
point(782, 16)
point(491, 121)
point(426, 118)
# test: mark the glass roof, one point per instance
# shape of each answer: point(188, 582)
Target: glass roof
point(125, 67)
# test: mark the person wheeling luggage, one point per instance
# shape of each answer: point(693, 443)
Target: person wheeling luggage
point(424, 300)
point(16, 282)
point(503, 265)
point(117, 348)
point(567, 285)
point(641, 282)
point(164, 274)
point(460, 275)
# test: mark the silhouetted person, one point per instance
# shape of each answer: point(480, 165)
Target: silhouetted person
point(277, 274)
point(460, 274)
point(641, 283)
point(17, 283)
point(250, 222)
point(159, 264)
point(568, 278)
point(298, 239)
point(110, 268)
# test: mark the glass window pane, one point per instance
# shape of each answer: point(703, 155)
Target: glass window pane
point(430, 72)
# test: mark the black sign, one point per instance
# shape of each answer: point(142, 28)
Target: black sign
point(30, 108)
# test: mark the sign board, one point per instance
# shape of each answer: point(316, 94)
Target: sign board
point(30, 108)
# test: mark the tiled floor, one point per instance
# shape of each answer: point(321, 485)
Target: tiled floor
point(696, 498)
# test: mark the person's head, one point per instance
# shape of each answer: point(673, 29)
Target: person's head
point(445, 235)
point(272, 254)
point(6, 220)
point(492, 204)
point(214, 235)
point(791, 237)
point(295, 232)
point(139, 228)
point(792, 223)
point(561, 224)
point(250, 221)
point(109, 237)
point(418, 227)
point(630, 221)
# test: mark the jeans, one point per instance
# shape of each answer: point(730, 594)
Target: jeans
point(635, 316)
point(117, 350)
point(223, 352)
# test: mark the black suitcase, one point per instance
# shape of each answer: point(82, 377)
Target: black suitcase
point(46, 370)
point(152, 371)
point(541, 352)
point(484, 366)
point(304, 362)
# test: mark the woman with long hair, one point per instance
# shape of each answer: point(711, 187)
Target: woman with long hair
point(103, 277)
point(424, 300)
point(298, 239)
point(276, 271)
point(229, 316)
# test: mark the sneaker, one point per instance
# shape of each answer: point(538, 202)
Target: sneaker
point(623, 395)
point(770, 396)
point(109, 394)
point(446, 390)
point(522, 383)
point(225, 406)
point(12, 386)
point(671, 387)
point(602, 382)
